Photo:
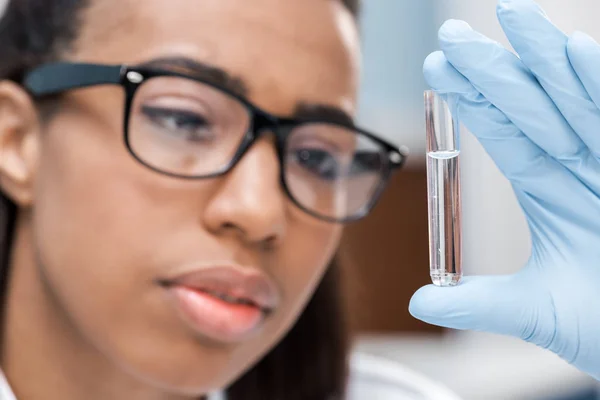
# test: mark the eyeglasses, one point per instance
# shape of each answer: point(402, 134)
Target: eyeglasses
point(191, 128)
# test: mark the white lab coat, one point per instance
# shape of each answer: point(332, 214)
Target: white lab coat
point(371, 377)
point(5, 391)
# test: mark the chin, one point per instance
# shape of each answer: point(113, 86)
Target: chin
point(193, 369)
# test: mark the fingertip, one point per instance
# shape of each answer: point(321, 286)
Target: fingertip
point(442, 77)
point(432, 66)
point(432, 302)
point(581, 41)
point(465, 48)
point(504, 6)
point(453, 29)
point(505, 11)
point(475, 303)
point(584, 54)
point(441, 306)
point(527, 26)
point(418, 305)
point(518, 7)
point(433, 60)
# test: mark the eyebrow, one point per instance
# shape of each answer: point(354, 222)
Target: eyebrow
point(323, 112)
point(222, 78)
point(193, 68)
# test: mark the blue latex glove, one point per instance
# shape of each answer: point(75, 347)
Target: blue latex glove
point(538, 116)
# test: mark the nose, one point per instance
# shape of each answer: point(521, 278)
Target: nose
point(250, 202)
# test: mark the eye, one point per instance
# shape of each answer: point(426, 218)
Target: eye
point(318, 162)
point(366, 163)
point(189, 125)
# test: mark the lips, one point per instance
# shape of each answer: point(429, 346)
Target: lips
point(230, 299)
point(225, 303)
point(231, 284)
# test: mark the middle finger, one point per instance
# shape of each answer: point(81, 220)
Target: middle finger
point(542, 47)
point(508, 84)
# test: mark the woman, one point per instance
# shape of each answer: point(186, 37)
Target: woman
point(175, 182)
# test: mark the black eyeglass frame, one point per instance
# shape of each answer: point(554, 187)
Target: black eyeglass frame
point(55, 78)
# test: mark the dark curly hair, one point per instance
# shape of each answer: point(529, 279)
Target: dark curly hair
point(310, 363)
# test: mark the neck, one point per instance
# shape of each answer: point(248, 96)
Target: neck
point(43, 355)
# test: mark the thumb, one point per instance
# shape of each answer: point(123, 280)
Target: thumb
point(508, 305)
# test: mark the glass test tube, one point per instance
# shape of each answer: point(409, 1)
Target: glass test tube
point(443, 190)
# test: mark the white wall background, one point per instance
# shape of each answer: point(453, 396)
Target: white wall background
point(397, 36)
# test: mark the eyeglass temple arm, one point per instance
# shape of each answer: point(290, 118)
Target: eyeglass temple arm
point(57, 77)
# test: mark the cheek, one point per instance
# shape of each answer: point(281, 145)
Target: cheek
point(308, 251)
point(99, 221)
point(100, 215)
point(83, 219)
point(86, 234)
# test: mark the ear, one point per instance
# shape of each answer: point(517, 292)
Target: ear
point(19, 143)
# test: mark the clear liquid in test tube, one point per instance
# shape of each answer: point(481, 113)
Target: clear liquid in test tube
point(443, 189)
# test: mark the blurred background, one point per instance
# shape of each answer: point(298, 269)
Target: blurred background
point(387, 254)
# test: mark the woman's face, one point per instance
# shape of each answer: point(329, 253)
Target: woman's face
point(110, 232)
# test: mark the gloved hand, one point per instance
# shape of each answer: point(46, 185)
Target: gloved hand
point(538, 116)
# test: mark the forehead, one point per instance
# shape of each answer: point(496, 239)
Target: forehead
point(286, 51)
